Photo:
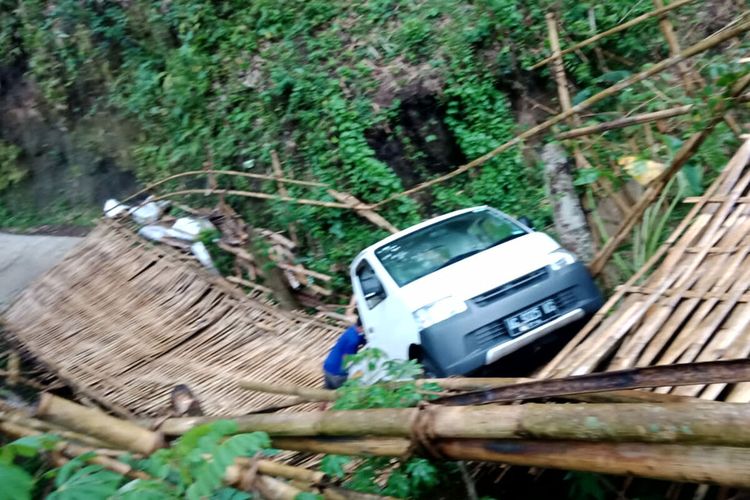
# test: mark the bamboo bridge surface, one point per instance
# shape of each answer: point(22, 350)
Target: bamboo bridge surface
point(690, 302)
point(123, 321)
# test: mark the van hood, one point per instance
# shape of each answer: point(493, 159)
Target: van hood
point(481, 272)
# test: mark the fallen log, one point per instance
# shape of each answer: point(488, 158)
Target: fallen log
point(737, 370)
point(121, 433)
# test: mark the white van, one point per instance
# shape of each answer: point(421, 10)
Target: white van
point(462, 290)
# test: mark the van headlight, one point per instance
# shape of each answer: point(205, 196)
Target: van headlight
point(560, 258)
point(438, 311)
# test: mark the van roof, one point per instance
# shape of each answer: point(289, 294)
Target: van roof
point(419, 226)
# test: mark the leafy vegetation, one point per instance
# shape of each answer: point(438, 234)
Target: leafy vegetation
point(408, 478)
point(193, 468)
point(10, 171)
point(330, 86)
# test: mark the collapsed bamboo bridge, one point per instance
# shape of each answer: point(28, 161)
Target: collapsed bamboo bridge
point(655, 385)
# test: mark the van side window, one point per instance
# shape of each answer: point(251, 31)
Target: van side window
point(372, 288)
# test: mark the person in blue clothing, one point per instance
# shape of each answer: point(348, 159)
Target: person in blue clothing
point(350, 342)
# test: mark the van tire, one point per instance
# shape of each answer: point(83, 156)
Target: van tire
point(428, 366)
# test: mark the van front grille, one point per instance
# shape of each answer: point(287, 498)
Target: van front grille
point(495, 332)
point(511, 287)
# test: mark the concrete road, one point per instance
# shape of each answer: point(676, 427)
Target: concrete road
point(24, 257)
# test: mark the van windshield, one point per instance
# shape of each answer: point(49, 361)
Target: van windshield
point(444, 243)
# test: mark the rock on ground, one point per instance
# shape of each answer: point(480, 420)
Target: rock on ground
point(23, 258)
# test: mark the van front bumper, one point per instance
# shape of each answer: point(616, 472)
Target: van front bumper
point(479, 336)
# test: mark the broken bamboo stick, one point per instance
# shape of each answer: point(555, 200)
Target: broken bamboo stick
point(612, 31)
point(691, 51)
point(230, 173)
point(308, 393)
point(121, 433)
point(261, 196)
point(625, 122)
point(365, 213)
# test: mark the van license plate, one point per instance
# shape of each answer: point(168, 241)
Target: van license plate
point(531, 318)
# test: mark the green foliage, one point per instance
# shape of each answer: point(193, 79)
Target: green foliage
point(77, 480)
point(226, 83)
point(17, 482)
point(10, 170)
point(193, 467)
point(223, 260)
point(384, 384)
point(587, 486)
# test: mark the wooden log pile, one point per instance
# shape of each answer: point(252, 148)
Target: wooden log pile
point(660, 436)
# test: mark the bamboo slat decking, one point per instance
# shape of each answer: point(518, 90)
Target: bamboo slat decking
point(694, 304)
point(123, 321)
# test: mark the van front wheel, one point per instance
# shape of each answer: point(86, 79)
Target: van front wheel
point(428, 366)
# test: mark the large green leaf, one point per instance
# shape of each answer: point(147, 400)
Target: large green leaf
point(139, 489)
point(209, 475)
point(90, 482)
point(15, 483)
point(333, 465)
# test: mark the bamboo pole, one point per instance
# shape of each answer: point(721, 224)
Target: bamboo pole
point(737, 370)
point(122, 433)
point(674, 47)
point(698, 464)
point(72, 450)
point(365, 213)
point(685, 73)
point(354, 446)
point(466, 384)
point(616, 29)
point(273, 489)
point(43, 427)
point(729, 174)
point(680, 159)
point(278, 172)
point(230, 173)
point(308, 393)
point(563, 93)
point(260, 196)
point(625, 122)
point(701, 464)
point(691, 51)
point(696, 423)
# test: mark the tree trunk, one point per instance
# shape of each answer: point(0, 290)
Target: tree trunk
point(570, 220)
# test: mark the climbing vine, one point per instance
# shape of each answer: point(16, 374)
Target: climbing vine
point(327, 84)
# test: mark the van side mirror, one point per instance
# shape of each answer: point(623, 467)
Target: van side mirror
point(372, 288)
point(526, 222)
